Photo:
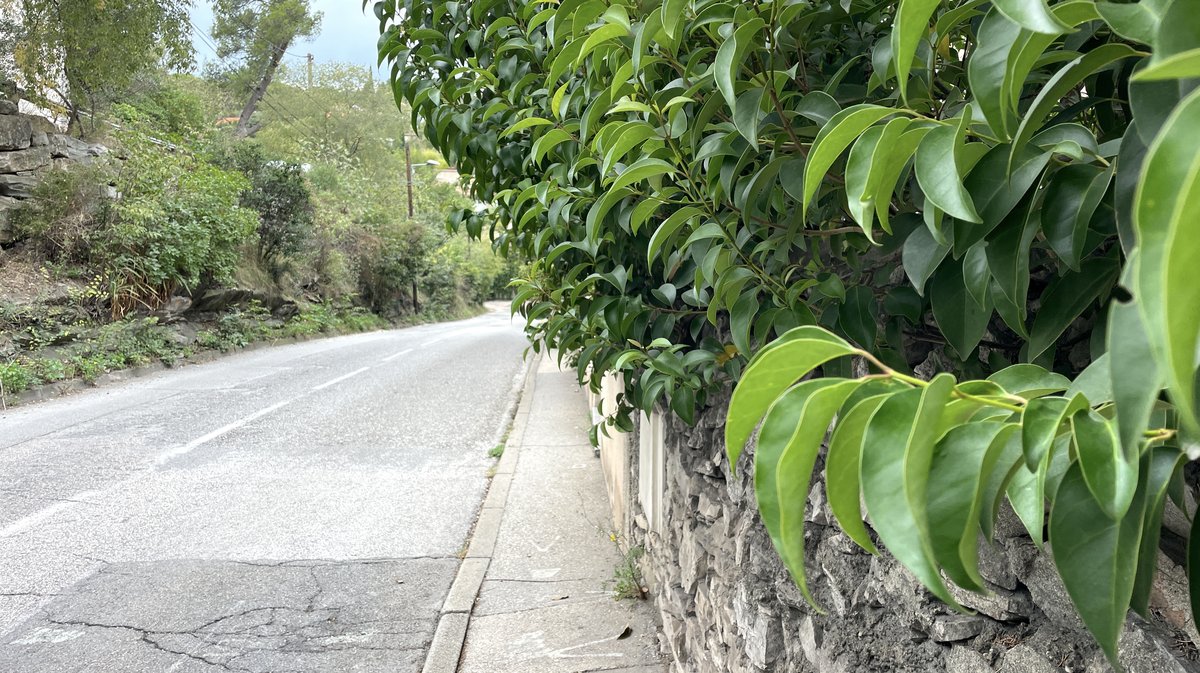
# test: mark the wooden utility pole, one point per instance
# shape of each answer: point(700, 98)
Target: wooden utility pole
point(408, 181)
point(310, 69)
point(408, 172)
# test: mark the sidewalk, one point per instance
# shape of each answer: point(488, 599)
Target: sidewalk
point(541, 557)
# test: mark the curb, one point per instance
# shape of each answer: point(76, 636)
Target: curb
point(451, 633)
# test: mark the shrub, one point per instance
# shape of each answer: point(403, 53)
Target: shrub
point(176, 222)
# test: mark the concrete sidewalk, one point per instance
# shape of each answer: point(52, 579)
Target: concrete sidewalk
point(533, 594)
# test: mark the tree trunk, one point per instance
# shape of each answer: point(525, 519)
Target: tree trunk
point(244, 128)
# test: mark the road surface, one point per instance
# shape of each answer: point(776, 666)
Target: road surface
point(295, 509)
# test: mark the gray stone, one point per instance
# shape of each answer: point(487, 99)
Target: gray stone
point(21, 161)
point(953, 628)
point(7, 107)
point(40, 123)
point(15, 132)
point(1047, 590)
point(18, 185)
point(965, 660)
point(7, 204)
point(1140, 651)
point(1000, 604)
point(66, 147)
point(39, 139)
point(1024, 659)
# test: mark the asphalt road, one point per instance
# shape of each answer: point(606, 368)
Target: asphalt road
point(295, 509)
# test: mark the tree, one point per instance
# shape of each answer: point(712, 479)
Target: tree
point(83, 56)
point(996, 191)
point(257, 34)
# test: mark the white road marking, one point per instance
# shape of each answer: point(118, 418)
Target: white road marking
point(434, 341)
point(340, 379)
point(400, 354)
point(199, 441)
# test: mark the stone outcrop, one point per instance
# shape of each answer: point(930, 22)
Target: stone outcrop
point(728, 605)
point(29, 146)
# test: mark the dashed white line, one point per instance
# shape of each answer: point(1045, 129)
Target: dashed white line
point(340, 379)
point(397, 355)
point(204, 439)
point(434, 341)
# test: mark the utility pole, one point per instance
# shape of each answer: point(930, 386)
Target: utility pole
point(310, 68)
point(408, 174)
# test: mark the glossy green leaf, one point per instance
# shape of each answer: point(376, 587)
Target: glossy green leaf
point(1029, 381)
point(961, 460)
point(921, 257)
point(1041, 423)
point(1096, 558)
point(794, 472)
point(1063, 81)
point(901, 437)
point(1159, 467)
point(959, 317)
point(1167, 200)
point(1067, 298)
point(1136, 376)
point(729, 59)
point(773, 370)
point(842, 466)
point(1134, 21)
point(1033, 15)
point(1179, 66)
point(1070, 202)
point(910, 26)
point(939, 173)
point(1110, 477)
point(833, 139)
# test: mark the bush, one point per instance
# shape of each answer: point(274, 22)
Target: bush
point(176, 222)
point(279, 193)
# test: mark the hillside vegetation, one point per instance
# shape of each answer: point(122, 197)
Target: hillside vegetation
point(185, 237)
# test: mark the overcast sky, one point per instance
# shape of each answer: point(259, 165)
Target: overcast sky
point(347, 34)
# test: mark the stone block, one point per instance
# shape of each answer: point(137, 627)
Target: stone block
point(18, 185)
point(7, 235)
point(1024, 659)
point(965, 660)
point(66, 147)
point(40, 123)
point(15, 132)
point(953, 628)
point(39, 139)
point(999, 604)
point(1047, 590)
point(7, 107)
point(20, 161)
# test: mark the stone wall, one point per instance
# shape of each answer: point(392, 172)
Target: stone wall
point(29, 146)
point(728, 605)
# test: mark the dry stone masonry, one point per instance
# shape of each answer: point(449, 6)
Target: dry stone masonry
point(728, 605)
point(29, 146)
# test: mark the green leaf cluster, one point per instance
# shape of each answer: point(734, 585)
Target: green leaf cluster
point(1006, 185)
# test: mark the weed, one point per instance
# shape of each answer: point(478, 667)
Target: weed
point(627, 581)
point(496, 451)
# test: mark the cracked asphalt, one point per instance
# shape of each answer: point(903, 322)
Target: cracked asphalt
point(297, 509)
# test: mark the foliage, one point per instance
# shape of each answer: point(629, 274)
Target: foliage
point(970, 186)
point(177, 223)
point(280, 195)
point(252, 37)
point(87, 54)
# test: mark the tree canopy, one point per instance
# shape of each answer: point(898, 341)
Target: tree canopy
point(86, 54)
point(969, 217)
